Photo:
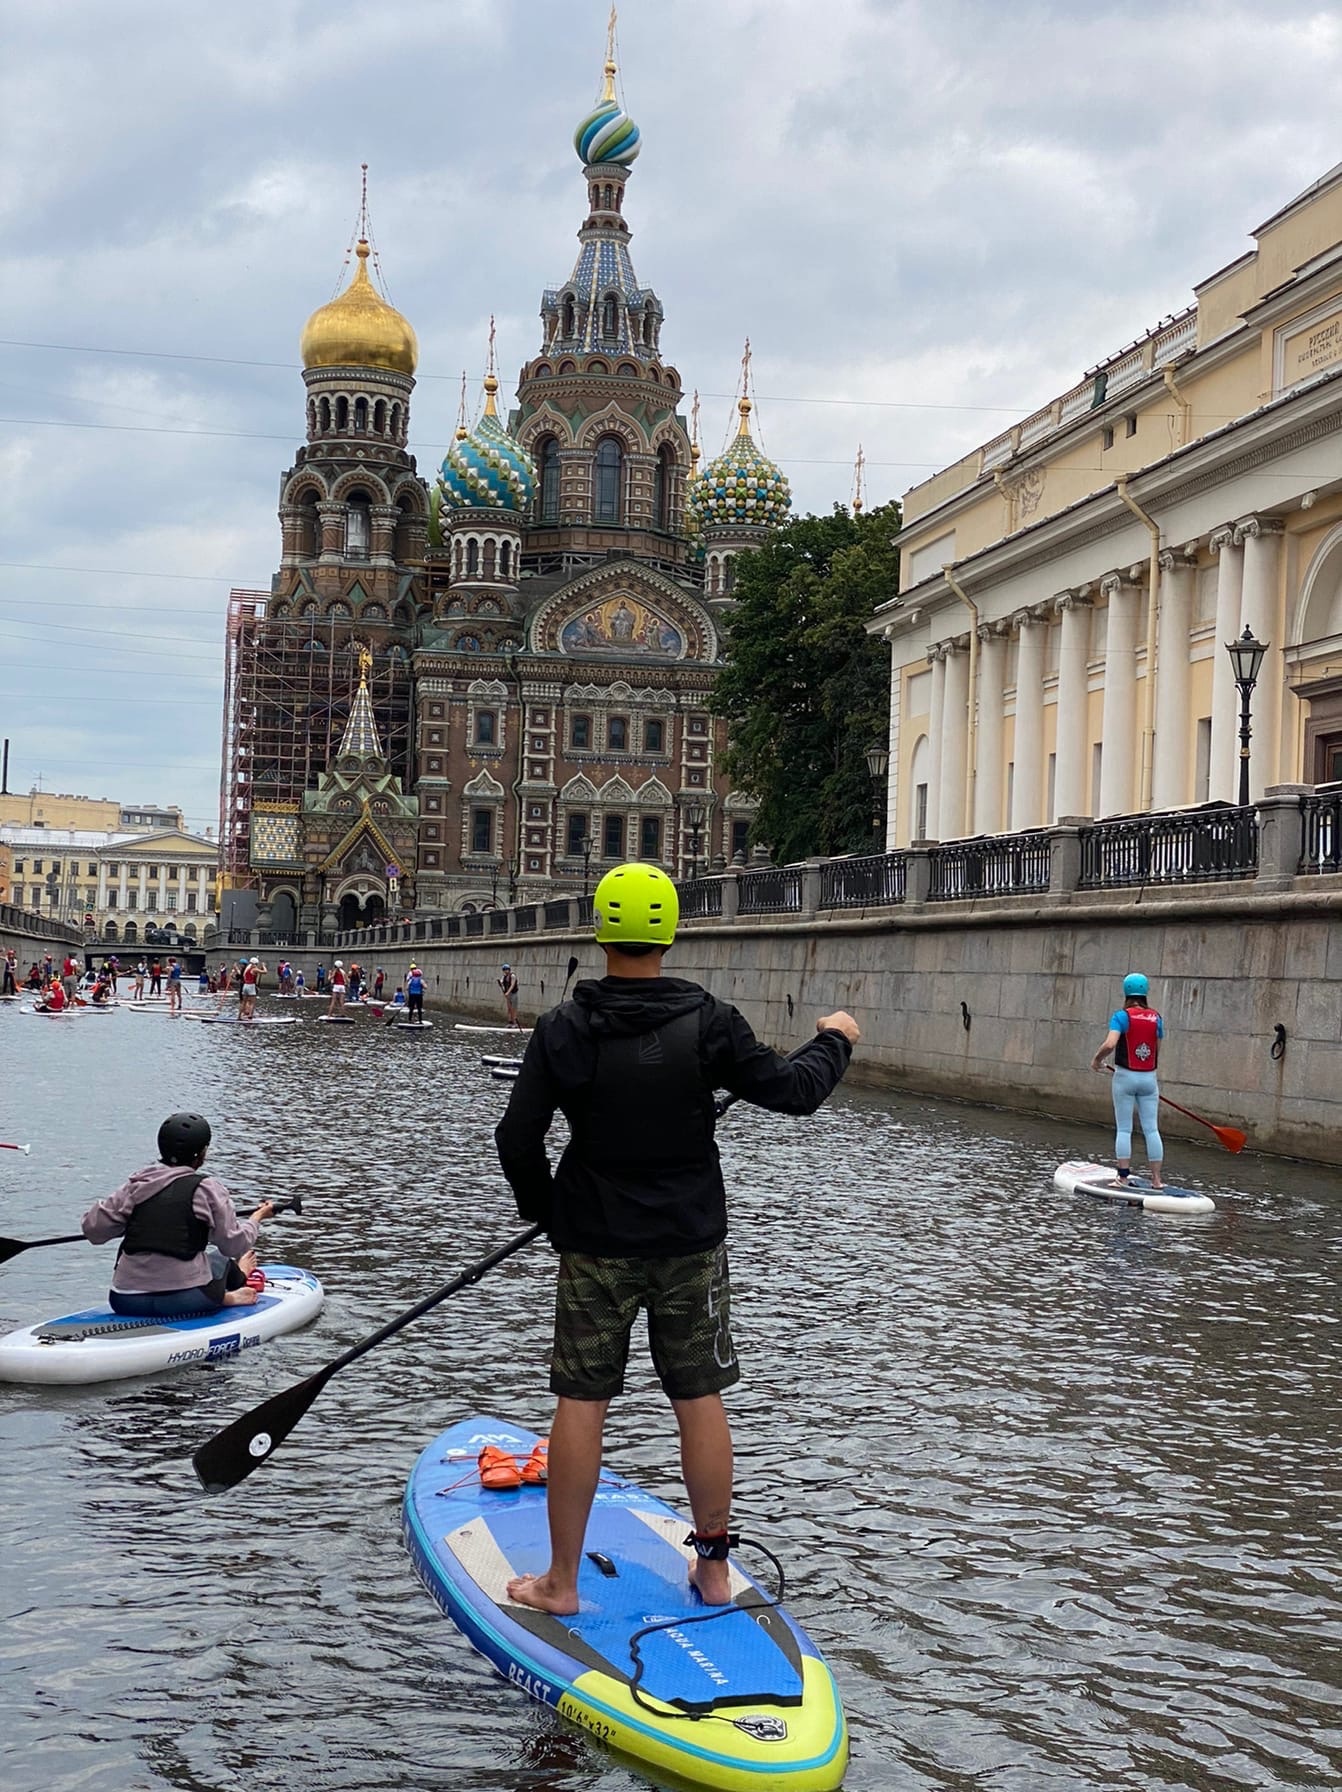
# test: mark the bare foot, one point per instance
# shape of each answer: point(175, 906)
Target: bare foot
point(712, 1581)
point(542, 1593)
point(248, 1261)
point(240, 1297)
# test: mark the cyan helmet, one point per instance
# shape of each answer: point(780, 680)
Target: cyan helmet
point(1135, 984)
point(635, 905)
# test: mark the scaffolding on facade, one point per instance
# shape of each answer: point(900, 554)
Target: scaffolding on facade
point(288, 687)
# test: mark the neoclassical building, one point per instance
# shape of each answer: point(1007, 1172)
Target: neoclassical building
point(1067, 590)
point(541, 622)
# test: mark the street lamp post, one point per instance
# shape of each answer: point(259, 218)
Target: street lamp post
point(878, 761)
point(1246, 656)
point(695, 816)
point(586, 860)
point(515, 859)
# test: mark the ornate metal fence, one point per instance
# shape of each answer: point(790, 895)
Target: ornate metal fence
point(700, 898)
point(774, 892)
point(1012, 865)
point(556, 913)
point(1198, 847)
point(1322, 845)
point(875, 880)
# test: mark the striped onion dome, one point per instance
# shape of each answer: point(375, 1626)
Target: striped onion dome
point(608, 133)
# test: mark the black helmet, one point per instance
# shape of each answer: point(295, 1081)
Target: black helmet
point(182, 1137)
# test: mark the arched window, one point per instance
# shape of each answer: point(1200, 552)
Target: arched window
point(610, 317)
point(649, 326)
point(324, 415)
point(358, 523)
point(472, 557)
point(609, 480)
point(570, 317)
point(666, 473)
point(361, 413)
point(342, 413)
point(548, 456)
point(380, 417)
point(312, 416)
point(396, 423)
point(505, 559)
point(405, 528)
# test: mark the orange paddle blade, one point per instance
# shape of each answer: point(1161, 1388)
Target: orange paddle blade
point(1231, 1137)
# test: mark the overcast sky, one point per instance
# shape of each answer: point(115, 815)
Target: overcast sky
point(930, 216)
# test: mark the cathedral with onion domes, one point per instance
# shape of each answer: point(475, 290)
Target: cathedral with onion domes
point(528, 638)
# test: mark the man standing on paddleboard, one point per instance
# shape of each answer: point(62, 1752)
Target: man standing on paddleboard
point(637, 1208)
point(1134, 1036)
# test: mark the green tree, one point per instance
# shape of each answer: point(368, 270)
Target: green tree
point(805, 688)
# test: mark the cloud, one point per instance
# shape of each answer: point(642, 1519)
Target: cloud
point(904, 203)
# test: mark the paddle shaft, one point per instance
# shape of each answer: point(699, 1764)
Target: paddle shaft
point(11, 1247)
point(25, 1149)
point(1230, 1136)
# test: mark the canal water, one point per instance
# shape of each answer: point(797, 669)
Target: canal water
point(1056, 1485)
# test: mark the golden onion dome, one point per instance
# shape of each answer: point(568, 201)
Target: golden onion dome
point(359, 328)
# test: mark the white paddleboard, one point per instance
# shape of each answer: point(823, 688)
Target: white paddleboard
point(462, 1027)
point(1102, 1182)
point(413, 1026)
point(337, 1020)
point(256, 1020)
point(99, 1345)
point(502, 1073)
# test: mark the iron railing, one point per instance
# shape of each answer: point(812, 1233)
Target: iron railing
point(475, 924)
point(773, 892)
point(524, 919)
point(1012, 865)
point(14, 919)
point(875, 880)
point(497, 921)
point(1196, 847)
point(556, 912)
point(1322, 845)
point(700, 898)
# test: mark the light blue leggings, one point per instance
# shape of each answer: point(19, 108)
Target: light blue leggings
point(1139, 1089)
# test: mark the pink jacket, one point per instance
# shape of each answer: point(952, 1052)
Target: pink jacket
point(147, 1272)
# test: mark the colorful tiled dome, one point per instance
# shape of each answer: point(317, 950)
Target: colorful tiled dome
point(608, 133)
point(486, 469)
point(742, 486)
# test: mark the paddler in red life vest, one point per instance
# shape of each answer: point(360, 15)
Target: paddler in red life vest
point(247, 1001)
point(55, 996)
point(338, 987)
point(167, 1216)
point(1134, 1036)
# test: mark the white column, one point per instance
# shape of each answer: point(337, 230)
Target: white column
point(1169, 772)
point(1072, 773)
point(936, 710)
point(892, 747)
point(954, 745)
point(1260, 611)
point(988, 734)
point(1120, 698)
point(1225, 698)
point(1027, 782)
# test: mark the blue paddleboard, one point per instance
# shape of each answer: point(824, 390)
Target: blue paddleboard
point(736, 1699)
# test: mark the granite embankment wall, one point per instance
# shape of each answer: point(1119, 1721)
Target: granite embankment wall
point(31, 936)
point(1005, 1002)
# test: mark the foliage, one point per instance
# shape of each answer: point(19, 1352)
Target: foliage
point(805, 689)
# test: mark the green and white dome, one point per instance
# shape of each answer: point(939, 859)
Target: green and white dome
point(742, 486)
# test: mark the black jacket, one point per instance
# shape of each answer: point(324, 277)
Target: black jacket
point(634, 1063)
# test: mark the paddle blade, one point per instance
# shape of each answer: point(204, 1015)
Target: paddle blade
point(231, 1454)
point(1231, 1137)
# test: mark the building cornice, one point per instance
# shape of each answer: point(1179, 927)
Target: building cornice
point(1294, 420)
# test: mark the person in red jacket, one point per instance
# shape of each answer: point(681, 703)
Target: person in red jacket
point(338, 987)
point(1135, 1032)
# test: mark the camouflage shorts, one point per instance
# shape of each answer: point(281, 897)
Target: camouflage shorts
point(688, 1302)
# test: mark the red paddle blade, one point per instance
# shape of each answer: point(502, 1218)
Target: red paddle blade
point(1231, 1137)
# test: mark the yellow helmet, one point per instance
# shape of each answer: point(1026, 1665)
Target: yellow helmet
point(635, 905)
